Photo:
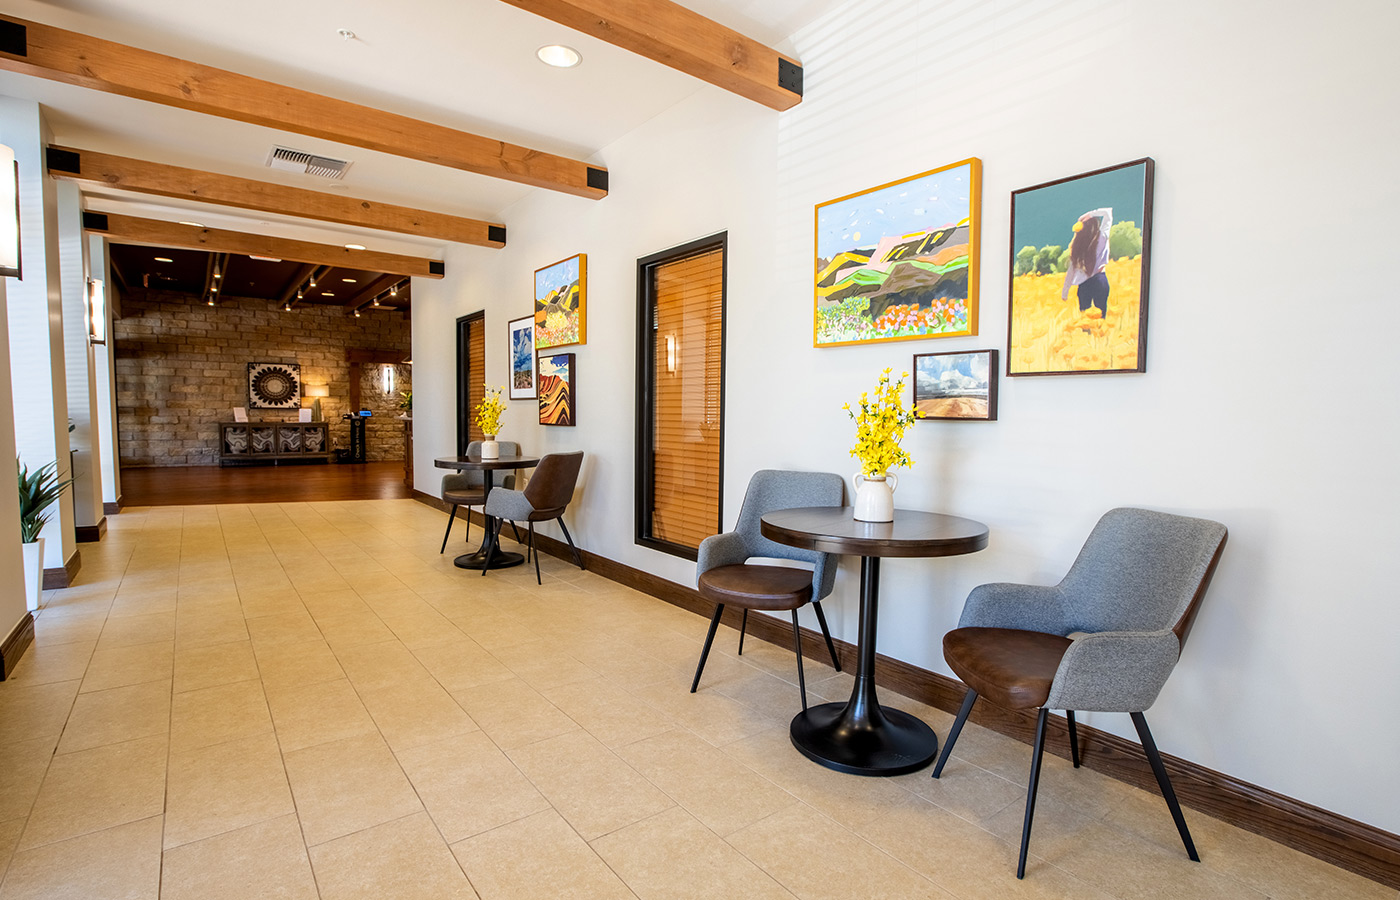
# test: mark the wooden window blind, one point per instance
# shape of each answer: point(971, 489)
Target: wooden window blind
point(683, 365)
point(471, 376)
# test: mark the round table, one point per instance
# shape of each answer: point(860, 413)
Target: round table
point(860, 736)
point(501, 559)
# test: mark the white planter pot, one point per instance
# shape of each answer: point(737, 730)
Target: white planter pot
point(874, 497)
point(33, 573)
point(490, 448)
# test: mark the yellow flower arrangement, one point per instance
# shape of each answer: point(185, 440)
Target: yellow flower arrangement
point(880, 426)
point(488, 411)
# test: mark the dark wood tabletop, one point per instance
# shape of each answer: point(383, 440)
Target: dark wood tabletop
point(831, 529)
point(476, 462)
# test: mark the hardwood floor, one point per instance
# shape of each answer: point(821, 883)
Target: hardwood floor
point(198, 485)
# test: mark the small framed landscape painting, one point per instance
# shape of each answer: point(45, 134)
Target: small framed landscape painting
point(556, 386)
point(957, 385)
point(561, 303)
point(1080, 248)
point(899, 262)
point(522, 358)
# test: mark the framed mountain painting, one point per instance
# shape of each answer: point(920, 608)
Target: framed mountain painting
point(556, 385)
point(899, 262)
point(561, 303)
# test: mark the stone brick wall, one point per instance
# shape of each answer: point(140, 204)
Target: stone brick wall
point(182, 367)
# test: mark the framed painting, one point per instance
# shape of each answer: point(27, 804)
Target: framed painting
point(899, 262)
point(1080, 248)
point(522, 358)
point(957, 385)
point(274, 386)
point(557, 389)
point(561, 303)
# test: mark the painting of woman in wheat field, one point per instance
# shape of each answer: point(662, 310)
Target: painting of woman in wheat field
point(1079, 264)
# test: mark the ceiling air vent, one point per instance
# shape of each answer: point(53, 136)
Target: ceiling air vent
point(285, 159)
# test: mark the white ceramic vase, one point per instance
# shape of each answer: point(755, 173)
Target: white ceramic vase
point(874, 497)
point(490, 448)
point(33, 573)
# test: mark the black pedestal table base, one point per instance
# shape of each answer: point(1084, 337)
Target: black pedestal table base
point(894, 744)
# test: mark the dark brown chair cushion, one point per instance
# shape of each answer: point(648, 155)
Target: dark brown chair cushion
point(1012, 669)
point(757, 587)
point(474, 497)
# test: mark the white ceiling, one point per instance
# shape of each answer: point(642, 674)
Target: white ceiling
point(467, 64)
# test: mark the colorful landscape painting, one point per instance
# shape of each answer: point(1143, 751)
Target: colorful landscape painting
point(522, 358)
point(561, 303)
point(956, 385)
point(556, 383)
point(899, 261)
point(1077, 308)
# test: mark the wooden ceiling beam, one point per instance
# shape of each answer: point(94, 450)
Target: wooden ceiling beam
point(155, 233)
point(684, 40)
point(371, 291)
point(43, 51)
point(290, 294)
point(227, 190)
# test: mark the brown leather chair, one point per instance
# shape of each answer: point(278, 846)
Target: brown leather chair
point(726, 578)
point(1104, 639)
point(469, 488)
point(547, 495)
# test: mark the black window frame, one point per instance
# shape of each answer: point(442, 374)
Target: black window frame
point(646, 393)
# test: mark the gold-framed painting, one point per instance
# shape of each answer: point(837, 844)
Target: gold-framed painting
point(561, 303)
point(1080, 248)
point(899, 262)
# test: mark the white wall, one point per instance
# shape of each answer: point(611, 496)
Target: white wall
point(13, 605)
point(78, 357)
point(104, 382)
point(1266, 400)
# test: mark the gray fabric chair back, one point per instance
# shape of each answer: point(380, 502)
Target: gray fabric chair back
point(475, 478)
point(771, 489)
point(552, 483)
point(1141, 571)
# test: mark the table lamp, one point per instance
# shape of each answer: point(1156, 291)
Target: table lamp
point(316, 392)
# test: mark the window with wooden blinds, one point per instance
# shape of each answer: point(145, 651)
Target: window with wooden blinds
point(680, 395)
point(471, 377)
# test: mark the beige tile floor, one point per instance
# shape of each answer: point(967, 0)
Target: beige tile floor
point(306, 700)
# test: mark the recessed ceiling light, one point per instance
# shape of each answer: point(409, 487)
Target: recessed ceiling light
point(559, 56)
point(354, 246)
point(265, 258)
point(194, 224)
point(349, 280)
point(345, 34)
point(327, 294)
point(164, 259)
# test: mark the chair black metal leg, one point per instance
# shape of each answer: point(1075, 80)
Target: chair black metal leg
point(517, 532)
point(493, 539)
point(450, 516)
point(578, 557)
point(709, 639)
point(535, 552)
point(797, 645)
point(968, 699)
point(1165, 783)
point(1036, 753)
point(826, 633)
point(743, 629)
point(1073, 738)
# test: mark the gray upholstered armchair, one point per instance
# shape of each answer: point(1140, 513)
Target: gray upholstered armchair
point(724, 576)
point(545, 497)
point(1105, 638)
point(469, 488)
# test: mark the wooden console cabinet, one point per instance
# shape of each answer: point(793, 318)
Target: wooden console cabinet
point(273, 443)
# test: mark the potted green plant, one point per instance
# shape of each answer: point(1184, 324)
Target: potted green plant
point(38, 490)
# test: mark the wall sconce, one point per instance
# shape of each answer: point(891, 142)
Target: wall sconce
point(316, 392)
point(9, 222)
point(670, 353)
point(387, 374)
point(97, 312)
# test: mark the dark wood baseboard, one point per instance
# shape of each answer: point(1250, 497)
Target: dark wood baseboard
point(91, 534)
point(14, 646)
point(1347, 843)
point(111, 509)
point(62, 576)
